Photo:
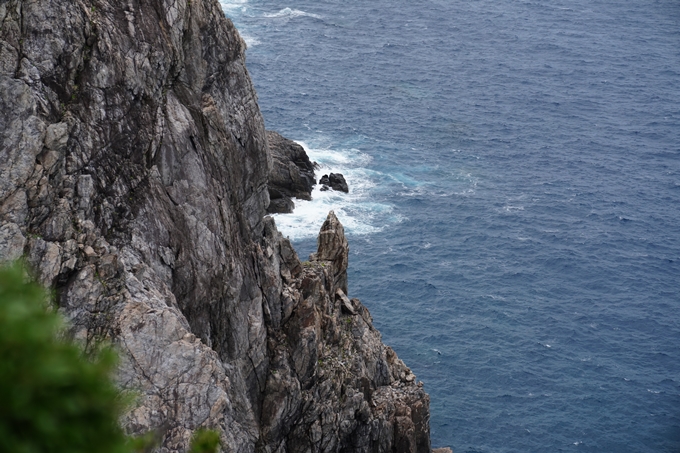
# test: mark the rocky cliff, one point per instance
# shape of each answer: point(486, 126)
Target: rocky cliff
point(292, 174)
point(134, 178)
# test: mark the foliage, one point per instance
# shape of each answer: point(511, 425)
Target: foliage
point(53, 399)
point(205, 441)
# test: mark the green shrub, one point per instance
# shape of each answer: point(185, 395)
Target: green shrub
point(205, 441)
point(53, 399)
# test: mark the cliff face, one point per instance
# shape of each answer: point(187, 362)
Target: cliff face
point(133, 176)
point(292, 174)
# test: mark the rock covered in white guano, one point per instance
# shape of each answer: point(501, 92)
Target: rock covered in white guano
point(133, 177)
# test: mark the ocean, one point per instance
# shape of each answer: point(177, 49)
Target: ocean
point(514, 206)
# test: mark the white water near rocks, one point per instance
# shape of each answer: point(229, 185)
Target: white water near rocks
point(514, 174)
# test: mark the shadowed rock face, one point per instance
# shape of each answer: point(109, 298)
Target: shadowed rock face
point(133, 176)
point(335, 181)
point(291, 176)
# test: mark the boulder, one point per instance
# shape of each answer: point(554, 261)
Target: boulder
point(334, 181)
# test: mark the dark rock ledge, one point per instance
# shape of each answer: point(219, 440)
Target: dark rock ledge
point(335, 181)
point(291, 176)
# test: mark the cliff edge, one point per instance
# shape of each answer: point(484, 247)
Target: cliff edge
point(134, 171)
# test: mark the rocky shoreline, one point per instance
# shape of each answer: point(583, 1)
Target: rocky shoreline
point(292, 174)
point(135, 177)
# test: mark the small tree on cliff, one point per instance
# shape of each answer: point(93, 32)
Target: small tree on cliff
point(52, 398)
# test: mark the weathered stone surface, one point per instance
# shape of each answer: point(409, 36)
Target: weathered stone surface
point(12, 242)
point(333, 385)
point(332, 247)
point(134, 173)
point(335, 181)
point(291, 176)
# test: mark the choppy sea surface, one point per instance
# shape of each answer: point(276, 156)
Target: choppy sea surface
point(514, 205)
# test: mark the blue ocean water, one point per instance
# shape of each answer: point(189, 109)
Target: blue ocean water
point(514, 213)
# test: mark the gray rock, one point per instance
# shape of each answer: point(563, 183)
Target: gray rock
point(56, 136)
point(45, 257)
point(12, 242)
point(15, 208)
point(335, 181)
point(85, 188)
point(291, 176)
point(332, 247)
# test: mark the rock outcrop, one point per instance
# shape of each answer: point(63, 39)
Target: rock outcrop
point(335, 181)
point(133, 176)
point(333, 385)
point(291, 176)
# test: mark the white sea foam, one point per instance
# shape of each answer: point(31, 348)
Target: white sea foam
point(229, 5)
point(289, 13)
point(232, 9)
point(358, 211)
point(250, 40)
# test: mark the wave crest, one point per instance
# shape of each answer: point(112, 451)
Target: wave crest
point(289, 13)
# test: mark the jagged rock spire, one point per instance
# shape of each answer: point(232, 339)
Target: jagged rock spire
point(332, 246)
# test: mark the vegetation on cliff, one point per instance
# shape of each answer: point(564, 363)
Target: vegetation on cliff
point(54, 398)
